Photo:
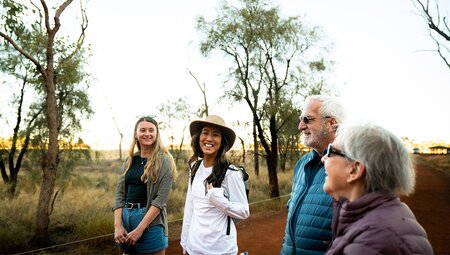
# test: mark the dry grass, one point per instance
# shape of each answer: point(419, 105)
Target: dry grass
point(82, 207)
point(438, 162)
point(15, 219)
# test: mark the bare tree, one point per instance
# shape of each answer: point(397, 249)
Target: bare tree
point(118, 130)
point(438, 27)
point(204, 110)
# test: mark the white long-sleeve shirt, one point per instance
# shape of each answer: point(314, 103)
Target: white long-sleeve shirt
point(205, 215)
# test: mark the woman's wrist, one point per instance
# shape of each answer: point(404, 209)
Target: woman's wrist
point(141, 228)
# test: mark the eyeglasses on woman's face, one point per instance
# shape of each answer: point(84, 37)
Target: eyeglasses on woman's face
point(331, 150)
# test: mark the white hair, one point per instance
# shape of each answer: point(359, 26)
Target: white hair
point(388, 164)
point(330, 107)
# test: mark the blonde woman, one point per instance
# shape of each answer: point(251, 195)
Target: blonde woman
point(140, 216)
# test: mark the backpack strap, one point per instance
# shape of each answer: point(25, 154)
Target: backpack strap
point(194, 169)
point(244, 173)
point(245, 179)
point(228, 225)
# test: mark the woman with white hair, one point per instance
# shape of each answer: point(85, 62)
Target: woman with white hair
point(368, 168)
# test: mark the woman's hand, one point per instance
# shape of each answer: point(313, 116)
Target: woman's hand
point(134, 236)
point(120, 235)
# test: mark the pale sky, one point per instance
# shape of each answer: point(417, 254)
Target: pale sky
point(385, 71)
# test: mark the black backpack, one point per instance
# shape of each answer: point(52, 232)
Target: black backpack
point(245, 175)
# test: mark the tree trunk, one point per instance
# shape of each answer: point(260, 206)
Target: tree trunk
point(272, 160)
point(49, 169)
point(255, 149)
point(120, 148)
point(272, 172)
point(283, 159)
point(271, 155)
point(180, 148)
point(11, 180)
point(243, 150)
point(41, 236)
point(51, 157)
point(3, 171)
point(12, 184)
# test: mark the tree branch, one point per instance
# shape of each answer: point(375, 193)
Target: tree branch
point(25, 54)
point(441, 54)
point(47, 18)
point(203, 90)
point(61, 8)
point(435, 26)
point(81, 37)
point(430, 21)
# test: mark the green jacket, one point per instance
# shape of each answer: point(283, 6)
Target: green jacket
point(157, 193)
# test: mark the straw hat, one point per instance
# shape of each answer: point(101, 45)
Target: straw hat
point(215, 121)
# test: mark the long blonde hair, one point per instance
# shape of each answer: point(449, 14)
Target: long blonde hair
point(157, 150)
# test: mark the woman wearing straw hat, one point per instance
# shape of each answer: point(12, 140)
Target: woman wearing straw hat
point(215, 195)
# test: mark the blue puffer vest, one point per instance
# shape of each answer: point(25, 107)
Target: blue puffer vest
point(308, 225)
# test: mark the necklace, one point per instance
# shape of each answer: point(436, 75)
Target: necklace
point(143, 160)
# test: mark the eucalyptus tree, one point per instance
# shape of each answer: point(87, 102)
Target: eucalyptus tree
point(438, 26)
point(30, 29)
point(269, 57)
point(11, 157)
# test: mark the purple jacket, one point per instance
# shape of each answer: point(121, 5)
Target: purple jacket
point(377, 224)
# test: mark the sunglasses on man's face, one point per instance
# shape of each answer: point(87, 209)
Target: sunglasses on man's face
point(306, 119)
point(331, 150)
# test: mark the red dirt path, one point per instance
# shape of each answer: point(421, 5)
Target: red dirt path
point(431, 205)
point(263, 234)
point(259, 234)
